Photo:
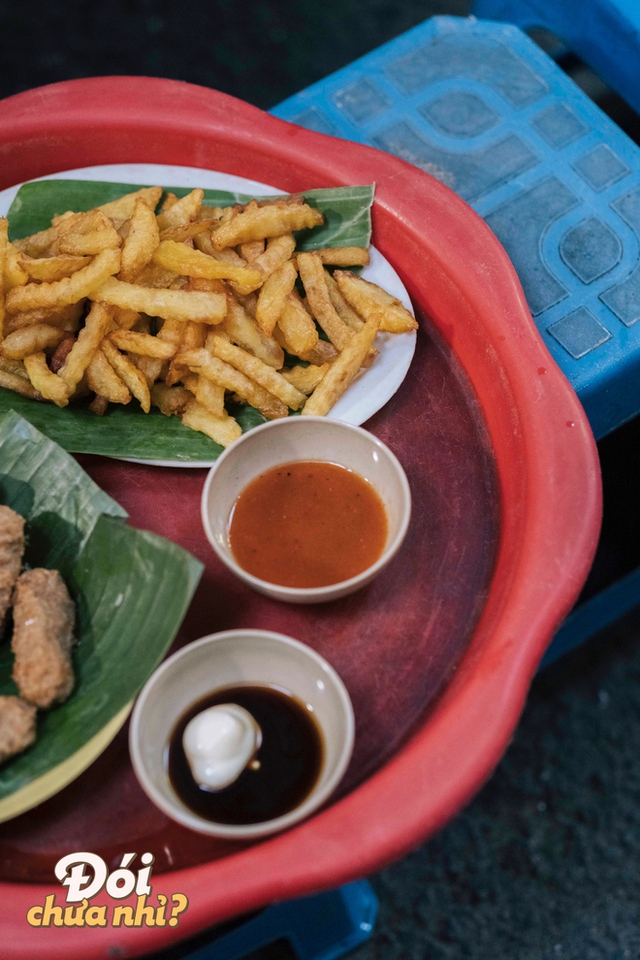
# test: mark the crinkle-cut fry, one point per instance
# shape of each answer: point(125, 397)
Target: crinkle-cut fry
point(156, 277)
point(182, 211)
point(49, 269)
point(343, 309)
point(4, 243)
point(297, 327)
point(142, 344)
point(14, 273)
point(224, 430)
point(187, 231)
point(279, 250)
point(370, 299)
point(228, 255)
point(250, 250)
point(150, 367)
point(269, 221)
point(141, 243)
point(312, 276)
point(69, 290)
point(37, 244)
point(132, 378)
point(170, 401)
point(180, 305)
point(49, 384)
point(99, 405)
point(273, 295)
point(209, 395)
point(344, 256)
point(18, 385)
point(67, 318)
point(16, 367)
point(244, 331)
point(121, 209)
point(89, 243)
point(193, 337)
point(341, 373)
point(27, 340)
point(305, 379)
point(202, 363)
point(97, 325)
point(128, 319)
point(264, 375)
point(103, 380)
point(194, 263)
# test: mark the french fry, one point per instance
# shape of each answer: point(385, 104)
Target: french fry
point(268, 221)
point(103, 380)
point(254, 368)
point(210, 395)
point(312, 276)
point(341, 373)
point(343, 309)
point(323, 352)
point(369, 299)
point(66, 291)
point(27, 340)
point(193, 263)
point(141, 243)
point(50, 269)
point(16, 367)
point(170, 400)
point(67, 317)
point(202, 363)
point(249, 251)
point(186, 231)
point(12, 382)
point(273, 295)
point(4, 243)
point(150, 367)
point(224, 430)
point(14, 273)
point(278, 251)
point(193, 337)
point(132, 378)
point(142, 344)
point(99, 320)
point(169, 304)
point(297, 327)
point(156, 277)
point(244, 330)
point(228, 255)
point(344, 256)
point(121, 209)
point(99, 405)
point(182, 211)
point(90, 243)
point(305, 379)
point(47, 383)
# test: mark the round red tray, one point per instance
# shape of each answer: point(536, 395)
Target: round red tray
point(438, 653)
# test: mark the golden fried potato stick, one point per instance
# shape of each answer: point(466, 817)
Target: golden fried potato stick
point(143, 344)
point(305, 379)
point(132, 378)
point(192, 338)
point(99, 405)
point(210, 395)
point(343, 309)
point(182, 211)
point(49, 384)
point(89, 243)
point(254, 368)
point(193, 263)
point(250, 250)
point(69, 290)
point(4, 243)
point(244, 331)
point(344, 256)
point(141, 243)
point(180, 305)
point(14, 273)
point(121, 209)
point(279, 250)
point(369, 299)
point(202, 363)
point(187, 231)
point(150, 367)
point(312, 276)
point(103, 380)
point(170, 400)
point(15, 367)
point(297, 327)
point(228, 255)
point(13, 382)
point(67, 317)
point(273, 295)
point(156, 277)
point(268, 221)
point(26, 340)
point(224, 430)
point(341, 373)
point(97, 325)
point(49, 269)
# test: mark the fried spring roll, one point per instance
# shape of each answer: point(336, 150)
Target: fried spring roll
point(11, 550)
point(43, 618)
point(17, 726)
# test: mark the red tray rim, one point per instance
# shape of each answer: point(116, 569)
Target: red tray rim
point(547, 465)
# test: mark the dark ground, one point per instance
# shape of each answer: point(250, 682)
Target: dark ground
point(545, 863)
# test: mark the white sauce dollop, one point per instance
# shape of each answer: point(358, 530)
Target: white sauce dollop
point(219, 743)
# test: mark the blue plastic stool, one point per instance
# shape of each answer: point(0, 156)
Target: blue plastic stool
point(482, 108)
point(604, 33)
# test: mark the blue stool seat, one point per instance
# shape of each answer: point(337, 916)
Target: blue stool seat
point(480, 107)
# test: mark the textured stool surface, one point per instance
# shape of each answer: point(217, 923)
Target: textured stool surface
point(480, 107)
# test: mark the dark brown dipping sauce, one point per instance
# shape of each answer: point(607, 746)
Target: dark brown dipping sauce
point(308, 524)
point(290, 759)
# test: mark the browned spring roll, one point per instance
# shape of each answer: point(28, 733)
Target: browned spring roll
point(17, 726)
point(11, 550)
point(43, 621)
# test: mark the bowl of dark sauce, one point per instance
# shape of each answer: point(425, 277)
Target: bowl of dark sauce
point(302, 711)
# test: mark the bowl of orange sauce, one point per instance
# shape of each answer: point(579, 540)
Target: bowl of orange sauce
point(306, 509)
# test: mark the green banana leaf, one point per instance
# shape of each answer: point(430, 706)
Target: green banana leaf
point(131, 590)
point(125, 431)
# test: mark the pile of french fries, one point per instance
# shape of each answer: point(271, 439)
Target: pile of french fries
point(187, 308)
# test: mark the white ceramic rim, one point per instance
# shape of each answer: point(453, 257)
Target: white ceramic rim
point(318, 594)
point(316, 798)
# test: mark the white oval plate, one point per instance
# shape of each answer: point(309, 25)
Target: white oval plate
point(373, 387)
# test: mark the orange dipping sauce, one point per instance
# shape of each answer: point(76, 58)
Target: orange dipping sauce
point(308, 524)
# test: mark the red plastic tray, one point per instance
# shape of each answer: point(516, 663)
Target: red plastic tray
point(439, 652)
